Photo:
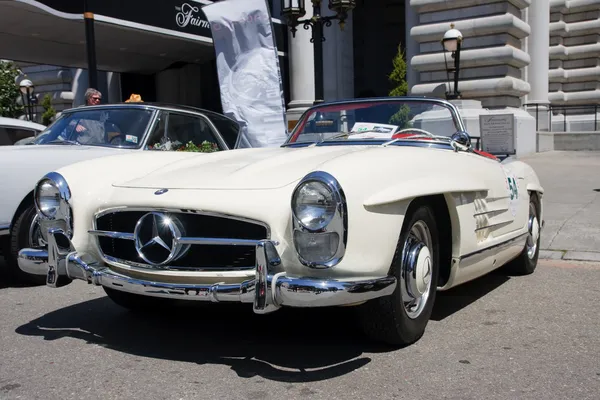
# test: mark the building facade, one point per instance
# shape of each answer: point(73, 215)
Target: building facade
point(527, 58)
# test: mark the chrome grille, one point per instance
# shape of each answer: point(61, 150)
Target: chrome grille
point(212, 241)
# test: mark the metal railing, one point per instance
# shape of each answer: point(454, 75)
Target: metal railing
point(554, 109)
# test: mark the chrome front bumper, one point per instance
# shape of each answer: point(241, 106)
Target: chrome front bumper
point(269, 290)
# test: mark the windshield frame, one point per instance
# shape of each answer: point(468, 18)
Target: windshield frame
point(66, 113)
point(301, 122)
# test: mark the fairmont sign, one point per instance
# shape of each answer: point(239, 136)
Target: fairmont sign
point(189, 15)
point(175, 17)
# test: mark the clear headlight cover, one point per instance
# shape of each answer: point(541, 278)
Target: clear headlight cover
point(314, 205)
point(48, 198)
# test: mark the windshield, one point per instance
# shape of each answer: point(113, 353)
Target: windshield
point(112, 127)
point(375, 120)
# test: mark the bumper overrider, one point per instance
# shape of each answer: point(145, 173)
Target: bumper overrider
point(269, 290)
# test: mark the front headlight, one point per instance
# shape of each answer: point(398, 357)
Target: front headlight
point(313, 205)
point(47, 197)
point(319, 220)
point(51, 196)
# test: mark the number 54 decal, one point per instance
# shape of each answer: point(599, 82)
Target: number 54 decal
point(513, 188)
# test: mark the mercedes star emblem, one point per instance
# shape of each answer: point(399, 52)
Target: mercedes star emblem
point(156, 236)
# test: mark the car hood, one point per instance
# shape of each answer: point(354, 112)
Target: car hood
point(56, 150)
point(257, 168)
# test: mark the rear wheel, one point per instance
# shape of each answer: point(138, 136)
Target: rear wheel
point(401, 318)
point(526, 262)
point(25, 233)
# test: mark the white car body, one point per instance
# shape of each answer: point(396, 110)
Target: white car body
point(22, 166)
point(21, 130)
point(485, 228)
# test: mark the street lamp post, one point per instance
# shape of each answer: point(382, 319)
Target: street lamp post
point(90, 45)
point(293, 10)
point(451, 42)
point(27, 88)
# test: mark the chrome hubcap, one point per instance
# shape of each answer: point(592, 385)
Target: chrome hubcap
point(533, 226)
point(417, 269)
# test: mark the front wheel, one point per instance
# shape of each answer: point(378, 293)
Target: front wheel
point(25, 233)
point(401, 318)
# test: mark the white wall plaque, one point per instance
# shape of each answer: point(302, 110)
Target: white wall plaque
point(497, 133)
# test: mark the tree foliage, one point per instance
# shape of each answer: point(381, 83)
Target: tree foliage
point(9, 91)
point(400, 88)
point(49, 111)
point(398, 75)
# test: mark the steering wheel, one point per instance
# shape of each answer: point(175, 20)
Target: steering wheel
point(117, 140)
point(413, 130)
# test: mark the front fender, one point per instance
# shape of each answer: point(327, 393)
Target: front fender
point(423, 187)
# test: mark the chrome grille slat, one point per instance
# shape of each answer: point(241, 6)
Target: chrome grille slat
point(114, 235)
point(217, 241)
point(224, 242)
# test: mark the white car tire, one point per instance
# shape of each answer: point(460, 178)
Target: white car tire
point(18, 239)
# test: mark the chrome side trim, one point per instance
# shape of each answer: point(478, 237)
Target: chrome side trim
point(492, 225)
point(4, 229)
point(498, 210)
point(496, 247)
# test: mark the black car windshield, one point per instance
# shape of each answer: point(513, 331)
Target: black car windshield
point(375, 120)
point(111, 127)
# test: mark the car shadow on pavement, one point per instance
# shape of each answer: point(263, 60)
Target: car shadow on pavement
point(290, 345)
point(451, 301)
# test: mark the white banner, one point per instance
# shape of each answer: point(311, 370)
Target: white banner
point(248, 69)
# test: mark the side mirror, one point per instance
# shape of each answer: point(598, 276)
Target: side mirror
point(462, 138)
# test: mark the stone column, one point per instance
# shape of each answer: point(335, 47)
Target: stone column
point(114, 94)
point(301, 73)
point(338, 61)
point(538, 46)
point(412, 47)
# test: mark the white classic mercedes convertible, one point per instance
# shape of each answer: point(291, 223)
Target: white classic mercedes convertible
point(372, 203)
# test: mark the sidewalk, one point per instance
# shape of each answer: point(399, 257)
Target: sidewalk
point(571, 180)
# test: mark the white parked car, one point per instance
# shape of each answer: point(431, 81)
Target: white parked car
point(85, 133)
point(372, 203)
point(16, 131)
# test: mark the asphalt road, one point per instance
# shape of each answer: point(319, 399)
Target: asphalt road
point(499, 337)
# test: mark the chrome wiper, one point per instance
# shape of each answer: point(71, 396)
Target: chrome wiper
point(73, 142)
point(347, 134)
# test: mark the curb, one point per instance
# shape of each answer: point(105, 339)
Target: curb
point(571, 255)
